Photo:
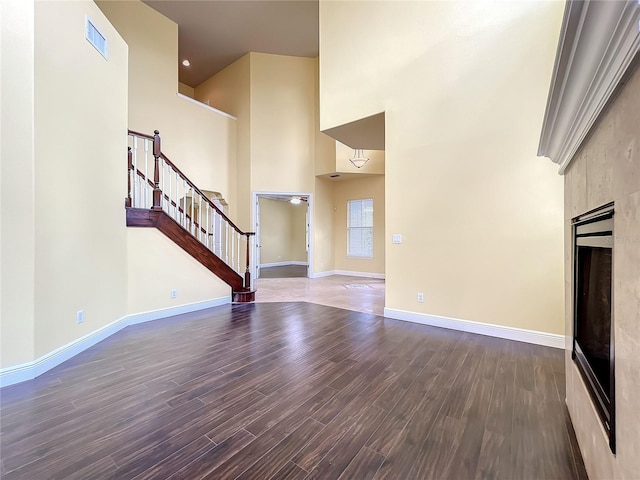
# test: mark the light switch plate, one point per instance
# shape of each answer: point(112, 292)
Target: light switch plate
point(396, 238)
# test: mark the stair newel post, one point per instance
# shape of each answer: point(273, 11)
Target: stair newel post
point(247, 272)
point(157, 193)
point(127, 201)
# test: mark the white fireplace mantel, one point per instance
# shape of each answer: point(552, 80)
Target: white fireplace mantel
point(598, 42)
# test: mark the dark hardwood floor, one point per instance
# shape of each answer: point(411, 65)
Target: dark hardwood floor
point(293, 391)
point(283, 271)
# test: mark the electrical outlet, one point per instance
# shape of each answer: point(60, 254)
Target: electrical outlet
point(79, 317)
point(421, 298)
point(174, 293)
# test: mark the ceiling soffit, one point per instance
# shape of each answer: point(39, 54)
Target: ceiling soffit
point(366, 133)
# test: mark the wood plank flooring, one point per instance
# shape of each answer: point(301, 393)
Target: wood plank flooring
point(292, 391)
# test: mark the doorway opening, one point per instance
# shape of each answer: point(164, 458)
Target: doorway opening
point(282, 224)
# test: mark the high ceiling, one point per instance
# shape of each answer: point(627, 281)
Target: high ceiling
point(212, 34)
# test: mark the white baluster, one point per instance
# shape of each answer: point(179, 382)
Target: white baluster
point(214, 242)
point(238, 252)
point(214, 246)
point(146, 173)
point(193, 212)
point(184, 203)
point(217, 235)
point(170, 196)
point(251, 266)
point(200, 217)
point(135, 172)
point(252, 248)
point(207, 235)
point(233, 257)
point(162, 200)
point(193, 202)
point(177, 218)
point(226, 243)
point(178, 199)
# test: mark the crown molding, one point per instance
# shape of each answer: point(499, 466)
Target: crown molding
point(598, 42)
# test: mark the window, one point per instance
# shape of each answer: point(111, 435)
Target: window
point(360, 228)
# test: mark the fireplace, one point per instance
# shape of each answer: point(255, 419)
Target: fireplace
point(593, 339)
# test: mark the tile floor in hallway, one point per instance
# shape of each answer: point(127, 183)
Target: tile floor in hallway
point(360, 294)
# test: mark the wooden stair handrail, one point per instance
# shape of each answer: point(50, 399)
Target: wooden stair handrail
point(207, 200)
point(138, 134)
point(191, 184)
point(159, 196)
point(171, 202)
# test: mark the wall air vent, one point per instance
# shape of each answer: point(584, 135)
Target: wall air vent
point(96, 38)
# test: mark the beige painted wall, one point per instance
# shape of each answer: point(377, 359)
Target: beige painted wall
point(322, 234)
point(80, 118)
point(323, 227)
point(282, 123)
point(299, 232)
point(463, 86)
point(274, 98)
point(150, 288)
point(606, 169)
point(185, 89)
point(230, 91)
point(325, 146)
point(325, 153)
point(200, 141)
point(333, 157)
point(275, 231)
point(282, 232)
point(17, 165)
point(355, 189)
point(375, 165)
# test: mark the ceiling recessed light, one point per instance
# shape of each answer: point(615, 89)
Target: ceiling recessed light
point(186, 63)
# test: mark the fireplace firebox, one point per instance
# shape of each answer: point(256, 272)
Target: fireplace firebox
point(593, 338)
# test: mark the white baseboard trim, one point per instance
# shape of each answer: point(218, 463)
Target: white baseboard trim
point(327, 273)
point(283, 264)
point(142, 317)
point(358, 274)
point(510, 333)
point(31, 370)
point(348, 273)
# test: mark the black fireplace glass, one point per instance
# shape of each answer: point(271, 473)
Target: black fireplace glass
point(593, 319)
point(593, 332)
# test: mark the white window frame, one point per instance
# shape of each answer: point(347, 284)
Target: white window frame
point(367, 254)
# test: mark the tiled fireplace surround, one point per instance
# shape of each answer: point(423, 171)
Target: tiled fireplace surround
point(606, 169)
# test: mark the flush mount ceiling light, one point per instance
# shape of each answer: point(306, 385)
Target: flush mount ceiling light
point(186, 63)
point(295, 200)
point(358, 159)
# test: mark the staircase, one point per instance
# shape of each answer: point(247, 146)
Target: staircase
point(162, 197)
